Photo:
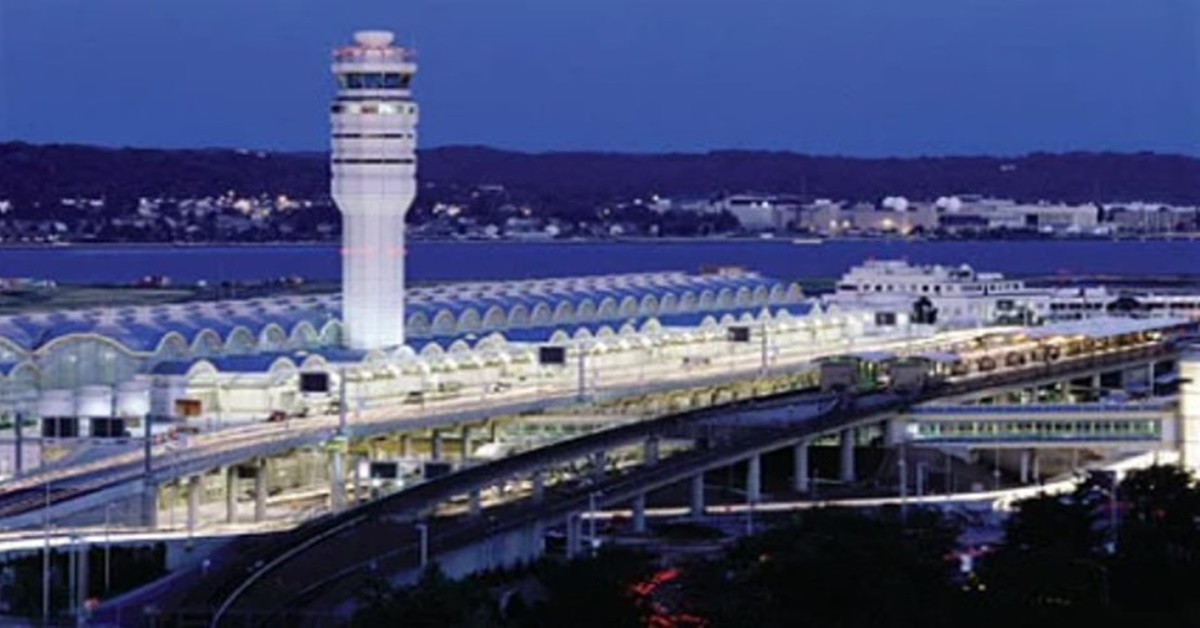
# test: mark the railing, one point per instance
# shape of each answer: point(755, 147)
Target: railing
point(1034, 409)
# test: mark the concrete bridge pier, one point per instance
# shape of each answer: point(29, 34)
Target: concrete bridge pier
point(800, 480)
point(697, 504)
point(599, 460)
point(435, 444)
point(193, 502)
point(467, 445)
point(574, 531)
point(846, 470)
point(754, 479)
point(475, 501)
point(231, 494)
point(337, 480)
point(1026, 459)
point(149, 514)
point(538, 480)
point(650, 454)
point(639, 514)
point(260, 490)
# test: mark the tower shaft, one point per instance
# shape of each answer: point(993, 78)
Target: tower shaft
point(373, 169)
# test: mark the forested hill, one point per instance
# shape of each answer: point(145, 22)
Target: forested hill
point(46, 173)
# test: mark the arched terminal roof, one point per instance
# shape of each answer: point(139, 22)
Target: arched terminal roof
point(440, 314)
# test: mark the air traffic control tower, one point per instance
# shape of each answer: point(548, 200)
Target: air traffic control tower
point(373, 166)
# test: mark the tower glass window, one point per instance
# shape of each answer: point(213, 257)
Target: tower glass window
point(374, 80)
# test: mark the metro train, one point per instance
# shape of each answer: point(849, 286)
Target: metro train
point(870, 372)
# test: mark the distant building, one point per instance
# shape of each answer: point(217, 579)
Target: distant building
point(758, 212)
point(1142, 218)
point(961, 296)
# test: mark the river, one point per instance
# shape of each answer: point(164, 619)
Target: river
point(451, 261)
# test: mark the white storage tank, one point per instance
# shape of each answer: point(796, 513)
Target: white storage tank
point(94, 401)
point(133, 399)
point(56, 403)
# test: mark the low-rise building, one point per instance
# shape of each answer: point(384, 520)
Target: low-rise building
point(958, 295)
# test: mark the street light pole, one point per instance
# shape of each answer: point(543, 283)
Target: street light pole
point(72, 574)
point(592, 520)
point(922, 469)
point(423, 529)
point(342, 401)
point(764, 368)
point(903, 486)
point(107, 547)
point(19, 452)
point(46, 559)
point(582, 372)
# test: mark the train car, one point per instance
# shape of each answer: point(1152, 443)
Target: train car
point(839, 374)
point(855, 372)
point(911, 374)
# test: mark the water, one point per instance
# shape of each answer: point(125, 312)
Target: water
point(443, 261)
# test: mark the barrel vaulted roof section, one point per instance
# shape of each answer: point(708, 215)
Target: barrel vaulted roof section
point(507, 307)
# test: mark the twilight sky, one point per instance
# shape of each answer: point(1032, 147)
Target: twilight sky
point(857, 77)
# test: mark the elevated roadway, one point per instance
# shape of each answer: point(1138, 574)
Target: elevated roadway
point(22, 499)
point(319, 566)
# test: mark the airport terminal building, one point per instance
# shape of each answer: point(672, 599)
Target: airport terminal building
point(243, 358)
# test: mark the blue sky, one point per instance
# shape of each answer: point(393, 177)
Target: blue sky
point(855, 77)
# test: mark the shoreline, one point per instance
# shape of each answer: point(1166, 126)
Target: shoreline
point(797, 239)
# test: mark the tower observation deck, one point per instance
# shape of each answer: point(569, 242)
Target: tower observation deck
point(373, 167)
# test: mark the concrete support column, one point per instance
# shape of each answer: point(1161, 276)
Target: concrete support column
point(1096, 384)
point(405, 442)
point(231, 494)
point(599, 459)
point(1025, 460)
point(800, 481)
point(754, 479)
point(435, 445)
point(475, 501)
point(697, 505)
point(337, 480)
point(573, 534)
point(846, 471)
point(639, 514)
point(539, 487)
point(260, 491)
point(193, 502)
point(1037, 466)
point(150, 505)
point(467, 446)
point(355, 479)
point(651, 451)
